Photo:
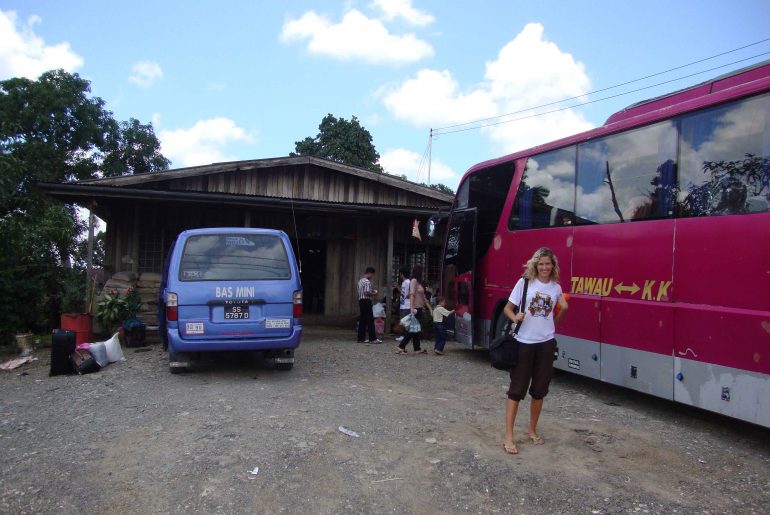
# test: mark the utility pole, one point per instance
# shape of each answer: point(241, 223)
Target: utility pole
point(430, 152)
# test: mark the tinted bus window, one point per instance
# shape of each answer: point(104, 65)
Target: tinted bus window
point(628, 176)
point(487, 191)
point(234, 257)
point(725, 159)
point(546, 194)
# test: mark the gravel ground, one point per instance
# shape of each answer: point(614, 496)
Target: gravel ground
point(133, 438)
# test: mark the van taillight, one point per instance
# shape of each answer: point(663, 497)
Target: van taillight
point(297, 298)
point(172, 307)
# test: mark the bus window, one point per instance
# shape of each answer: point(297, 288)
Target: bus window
point(546, 194)
point(627, 177)
point(725, 159)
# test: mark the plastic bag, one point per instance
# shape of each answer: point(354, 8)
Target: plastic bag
point(414, 325)
point(99, 352)
point(114, 351)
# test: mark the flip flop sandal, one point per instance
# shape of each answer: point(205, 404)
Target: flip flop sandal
point(401, 352)
point(510, 448)
point(536, 440)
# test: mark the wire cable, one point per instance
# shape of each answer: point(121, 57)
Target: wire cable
point(479, 125)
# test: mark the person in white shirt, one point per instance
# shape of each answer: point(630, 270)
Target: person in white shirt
point(404, 305)
point(537, 345)
point(365, 293)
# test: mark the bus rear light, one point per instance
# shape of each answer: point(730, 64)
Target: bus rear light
point(297, 299)
point(172, 307)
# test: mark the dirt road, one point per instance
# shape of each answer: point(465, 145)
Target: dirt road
point(135, 439)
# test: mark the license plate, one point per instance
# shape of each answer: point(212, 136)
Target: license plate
point(277, 323)
point(236, 312)
point(194, 327)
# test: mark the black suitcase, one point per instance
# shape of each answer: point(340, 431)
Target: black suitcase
point(62, 346)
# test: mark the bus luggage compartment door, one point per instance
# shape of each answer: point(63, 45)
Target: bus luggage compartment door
point(458, 268)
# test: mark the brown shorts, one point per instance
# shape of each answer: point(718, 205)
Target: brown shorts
point(533, 371)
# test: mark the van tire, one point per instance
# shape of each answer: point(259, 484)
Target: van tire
point(284, 366)
point(178, 357)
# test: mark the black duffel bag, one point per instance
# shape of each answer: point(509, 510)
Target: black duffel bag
point(504, 350)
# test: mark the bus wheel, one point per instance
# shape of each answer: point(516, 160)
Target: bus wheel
point(499, 325)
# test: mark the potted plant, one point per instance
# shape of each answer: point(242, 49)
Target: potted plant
point(133, 329)
point(110, 310)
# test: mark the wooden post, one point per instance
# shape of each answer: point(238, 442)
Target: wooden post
point(389, 271)
point(90, 257)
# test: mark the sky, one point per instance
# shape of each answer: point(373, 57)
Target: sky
point(237, 80)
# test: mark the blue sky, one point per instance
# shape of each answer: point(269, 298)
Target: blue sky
point(231, 80)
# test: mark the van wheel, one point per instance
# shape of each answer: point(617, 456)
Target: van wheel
point(284, 366)
point(177, 362)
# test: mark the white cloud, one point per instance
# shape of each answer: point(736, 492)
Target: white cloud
point(24, 54)
point(356, 37)
point(392, 9)
point(529, 71)
point(432, 98)
point(203, 143)
point(401, 161)
point(145, 73)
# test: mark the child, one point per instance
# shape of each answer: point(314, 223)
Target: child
point(439, 331)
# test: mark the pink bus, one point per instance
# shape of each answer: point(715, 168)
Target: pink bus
point(661, 223)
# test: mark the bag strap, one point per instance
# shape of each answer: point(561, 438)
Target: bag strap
point(521, 307)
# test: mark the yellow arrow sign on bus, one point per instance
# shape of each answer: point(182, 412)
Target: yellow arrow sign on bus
point(633, 289)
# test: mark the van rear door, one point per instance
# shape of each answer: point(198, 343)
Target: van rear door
point(235, 286)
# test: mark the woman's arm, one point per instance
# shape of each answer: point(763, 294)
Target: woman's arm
point(509, 312)
point(562, 310)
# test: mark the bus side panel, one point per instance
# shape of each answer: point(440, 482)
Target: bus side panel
point(725, 367)
point(724, 261)
point(729, 391)
point(722, 339)
point(636, 350)
point(578, 335)
point(626, 268)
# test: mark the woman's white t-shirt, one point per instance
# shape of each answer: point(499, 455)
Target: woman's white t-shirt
point(538, 325)
point(404, 295)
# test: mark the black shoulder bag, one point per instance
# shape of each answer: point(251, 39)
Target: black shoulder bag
point(504, 350)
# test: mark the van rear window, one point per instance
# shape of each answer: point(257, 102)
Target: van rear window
point(234, 257)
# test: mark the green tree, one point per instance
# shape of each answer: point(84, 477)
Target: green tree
point(343, 141)
point(53, 130)
point(133, 149)
point(443, 188)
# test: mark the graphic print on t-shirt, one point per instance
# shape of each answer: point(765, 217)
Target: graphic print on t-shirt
point(541, 305)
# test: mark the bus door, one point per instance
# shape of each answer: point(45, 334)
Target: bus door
point(457, 274)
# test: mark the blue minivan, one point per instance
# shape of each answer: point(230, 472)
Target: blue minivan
point(230, 289)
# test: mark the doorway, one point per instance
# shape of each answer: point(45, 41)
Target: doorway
point(312, 256)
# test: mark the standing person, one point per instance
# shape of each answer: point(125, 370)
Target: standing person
point(417, 303)
point(536, 342)
point(404, 304)
point(439, 313)
point(366, 317)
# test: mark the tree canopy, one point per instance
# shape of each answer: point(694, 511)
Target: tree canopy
point(343, 141)
point(53, 130)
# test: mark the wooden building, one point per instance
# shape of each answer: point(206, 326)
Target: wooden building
point(340, 219)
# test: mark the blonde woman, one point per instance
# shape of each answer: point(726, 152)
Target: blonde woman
point(536, 342)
